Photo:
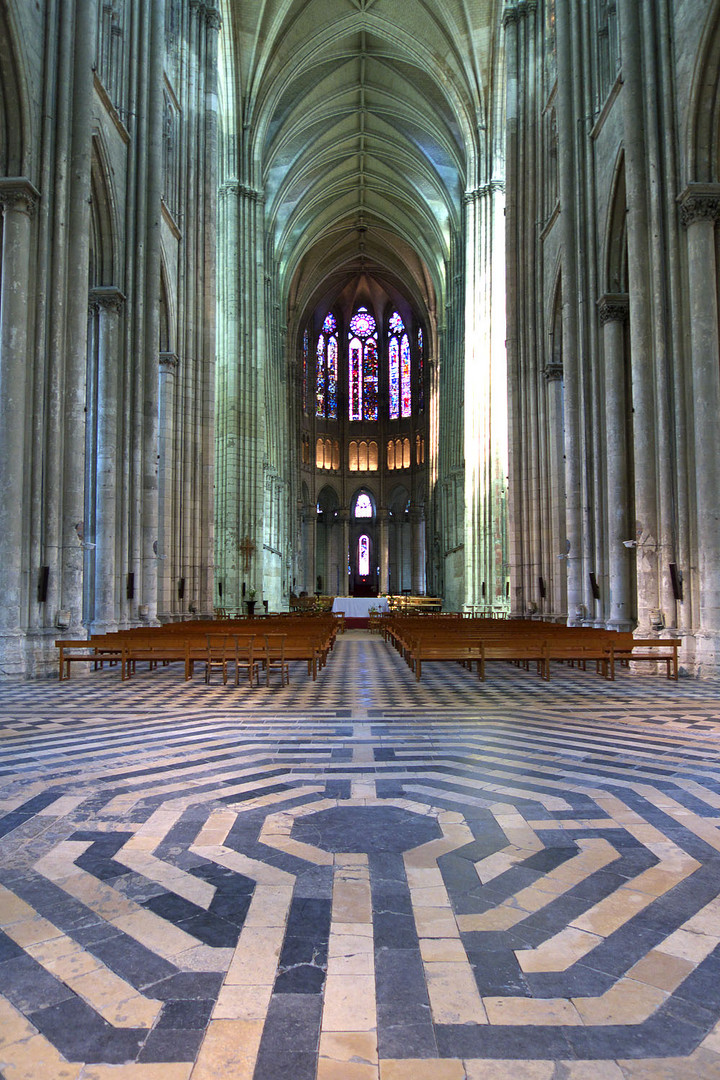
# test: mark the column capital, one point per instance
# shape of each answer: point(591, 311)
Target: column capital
point(168, 360)
point(699, 202)
point(613, 307)
point(106, 297)
point(18, 193)
point(553, 372)
point(213, 18)
point(485, 189)
point(240, 190)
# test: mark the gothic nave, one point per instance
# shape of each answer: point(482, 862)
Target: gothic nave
point(343, 299)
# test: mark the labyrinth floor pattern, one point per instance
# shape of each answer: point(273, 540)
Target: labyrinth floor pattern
point(361, 878)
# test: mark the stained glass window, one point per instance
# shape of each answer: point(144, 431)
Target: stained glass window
point(364, 555)
point(395, 328)
point(362, 367)
point(326, 370)
point(305, 371)
point(421, 368)
point(363, 506)
point(320, 377)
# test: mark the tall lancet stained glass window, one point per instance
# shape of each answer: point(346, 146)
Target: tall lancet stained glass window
point(399, 369)
point(362, 367)
point(421, 370)
point(326, 368)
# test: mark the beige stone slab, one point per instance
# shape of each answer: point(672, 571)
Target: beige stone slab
point(216, 828)
point(689, 946)
point(263, 873)
point(229, 1049)
point(453, 993)
point(701, 1065)
point(422, 1069)
point(424, 877)
point(204, 958)
point(269, 906)
point(430, 897)
point(36, 1058)
point(360, 963)
point(243, 1002)
point(706, 921)
point(345, 1070)
point(115, 1000)
point(181, 1070)
point(256, 956)
point(349, 1003)
point(493, 866)
point(14, 1027)
point(479, 1069)
point(627, 1002)
point(607, 916)
point(175, 880)
point(511, 1010)
point(435, 922)
point(33, 931)
point(155, 933)
point(442, 949)
point(591, 1070)
point(502, 917)
point(352, 901)
point(350, 1046)
point(662, 970)
point(363, 789)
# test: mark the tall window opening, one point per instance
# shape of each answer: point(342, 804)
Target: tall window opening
point(363, 506)
point(399, 368)
point(362, 367)
point(326, 370)
point(364, 555)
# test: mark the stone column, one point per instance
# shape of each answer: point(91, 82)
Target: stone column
point(345, 518)
point(17, 201)
point(417, 523)
point(557, 541)
point(384, 553)
point(613, 311)
point(240, 413)
point(700, 212)
point(642, 352)
point(108, 303)
point(167, 594)
point(572, 345)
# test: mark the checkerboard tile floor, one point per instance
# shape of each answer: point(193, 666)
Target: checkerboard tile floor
point(360, 878)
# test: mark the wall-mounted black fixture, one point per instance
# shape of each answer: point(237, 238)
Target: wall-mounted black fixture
point(677, 581)
point(130, 587)
point(541, 587)
point(594, 587)
point(181, 588)
point(43, 578)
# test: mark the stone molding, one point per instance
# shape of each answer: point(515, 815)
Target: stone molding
point(18, 193)
point(486, 189)
point(515, 12)
point(613, 307)
point(234, 187)
point(553, 371)
point(699, 202)
point(106, 297)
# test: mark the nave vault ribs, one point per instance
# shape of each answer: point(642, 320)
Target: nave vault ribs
point(270, 893)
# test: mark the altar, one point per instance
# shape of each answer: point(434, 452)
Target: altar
point(358, 607)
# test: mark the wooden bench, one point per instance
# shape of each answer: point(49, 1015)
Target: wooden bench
point(657, 650)
point(87, 652)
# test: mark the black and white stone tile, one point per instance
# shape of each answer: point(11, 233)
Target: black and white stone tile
point(360, 877)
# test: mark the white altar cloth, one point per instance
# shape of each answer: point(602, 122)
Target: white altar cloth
point(357, 607)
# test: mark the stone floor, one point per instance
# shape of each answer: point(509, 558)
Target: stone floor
point(361, 878)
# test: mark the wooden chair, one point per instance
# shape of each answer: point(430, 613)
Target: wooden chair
point(274, 658)
point(246, 658)
point(220, 652)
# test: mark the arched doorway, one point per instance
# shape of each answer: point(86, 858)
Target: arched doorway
point(364, 557)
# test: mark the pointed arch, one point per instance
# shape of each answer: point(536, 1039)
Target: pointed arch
point(615, 263)
point(703, 134)
point(103, 225)
point(15, 140)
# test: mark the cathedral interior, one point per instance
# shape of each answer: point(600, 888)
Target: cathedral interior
point(378, 300)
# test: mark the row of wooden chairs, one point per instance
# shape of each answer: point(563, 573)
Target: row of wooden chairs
point(525, 642)
point(250, 653)
point(306, 638)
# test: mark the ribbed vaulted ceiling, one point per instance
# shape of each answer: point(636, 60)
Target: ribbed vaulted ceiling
point(363, 122)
